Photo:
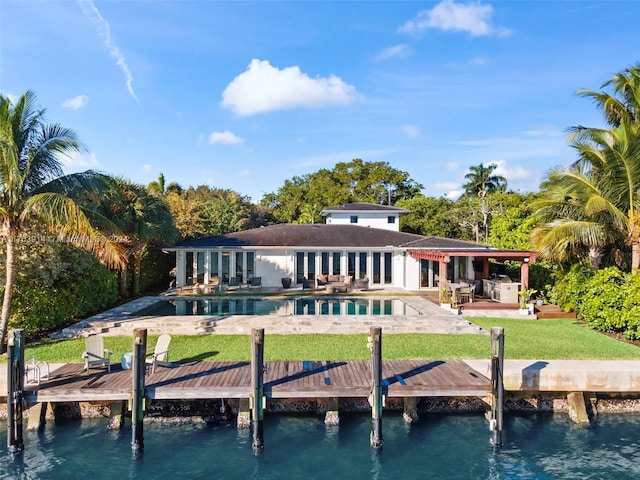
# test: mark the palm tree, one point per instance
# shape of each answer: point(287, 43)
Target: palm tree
point(596, 201)
point(158, 187)
point(33, 188)
point(623, 108)
point(141, 218)
point(482, 179)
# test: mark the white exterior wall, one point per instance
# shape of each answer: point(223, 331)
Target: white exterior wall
point(411, 273)
point(272, 265)
point(366, 219)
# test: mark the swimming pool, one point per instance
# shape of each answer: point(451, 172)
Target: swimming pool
point(291, 306)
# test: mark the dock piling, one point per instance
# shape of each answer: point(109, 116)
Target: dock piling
point(375, 398)
point(257, 388)
point(139, 369)
point(497, 385)
point(15, 390)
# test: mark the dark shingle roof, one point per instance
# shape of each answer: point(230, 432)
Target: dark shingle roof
point(321, 235)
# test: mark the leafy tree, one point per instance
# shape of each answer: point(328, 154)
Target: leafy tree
point(33, 187)
point(429, 216)
point(481, 180)
point(355, 181)
point(204, 211)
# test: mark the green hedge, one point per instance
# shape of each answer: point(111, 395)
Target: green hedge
point(87, 288)
point(607, 300)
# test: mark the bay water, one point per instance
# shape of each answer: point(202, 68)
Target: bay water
point(536, 446)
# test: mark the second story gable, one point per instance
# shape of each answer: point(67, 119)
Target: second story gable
point(365, 215)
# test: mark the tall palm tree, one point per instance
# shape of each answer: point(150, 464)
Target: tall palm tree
point(482, 179)
point(34, 188)
point(141, 218)
point(597, 200)
point(599, 196)
point(623, 104)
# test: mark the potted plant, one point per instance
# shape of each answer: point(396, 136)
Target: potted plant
point(445, 300)
point(525, 297)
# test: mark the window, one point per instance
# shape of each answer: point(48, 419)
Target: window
point(388, 278)
point(213, 266)
point(382, 267)
point(239, 267)
point(391, 219)
point(189, 268)
point(306, 266)
point(354, 218)
point(362, 268)
point(225, 267)
point(336, 263)
point(351, 264)
point(200, 267)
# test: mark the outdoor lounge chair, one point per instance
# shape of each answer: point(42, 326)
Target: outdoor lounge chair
point(255, 283)
point(214, 284)
point(234, 283)
point(95, 353)
point(160, 355)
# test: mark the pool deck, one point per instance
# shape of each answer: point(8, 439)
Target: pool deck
point(122, 320)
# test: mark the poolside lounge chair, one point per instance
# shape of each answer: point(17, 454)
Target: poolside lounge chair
point(95, 353)
point(214, 283)
point(234, 283)
point(160, 355)
point(255, 283)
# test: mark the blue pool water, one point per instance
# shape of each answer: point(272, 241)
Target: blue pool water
point(451, 447)
point(262, 306)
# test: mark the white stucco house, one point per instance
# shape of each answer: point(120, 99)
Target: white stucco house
point(358, 239)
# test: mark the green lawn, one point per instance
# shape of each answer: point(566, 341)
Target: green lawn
point(524, 339)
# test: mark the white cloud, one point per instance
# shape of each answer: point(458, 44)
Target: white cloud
point(225, 138)
point(104, 30)
point(12, 98)
point(512, 174)
point(397, 51)
point(410, 131)
point(244, 173)
point(264, 88)
point(76, 103)
point(77, 160)
point(453, 166)
point(473, 18)
point(146, 168)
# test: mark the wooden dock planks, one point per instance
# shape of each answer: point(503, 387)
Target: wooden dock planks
point(291, 379)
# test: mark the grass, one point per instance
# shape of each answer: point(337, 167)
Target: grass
point(524, 339)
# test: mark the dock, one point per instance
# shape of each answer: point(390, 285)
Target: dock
point(252, 383)
point(283, 379)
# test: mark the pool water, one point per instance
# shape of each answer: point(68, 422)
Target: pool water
point(262, 306)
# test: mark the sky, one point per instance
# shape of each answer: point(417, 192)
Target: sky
point(245, 95)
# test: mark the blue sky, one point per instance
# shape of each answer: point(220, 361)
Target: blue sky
point(244, 95)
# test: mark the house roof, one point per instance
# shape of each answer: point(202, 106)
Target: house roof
point(360, 207)
point(330, 236)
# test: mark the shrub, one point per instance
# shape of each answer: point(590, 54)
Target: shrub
point(70, 284)
point(601, 303)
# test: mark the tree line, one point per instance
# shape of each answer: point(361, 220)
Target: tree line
point(586, 213)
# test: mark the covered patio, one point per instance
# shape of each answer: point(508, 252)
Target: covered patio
point(485, 289)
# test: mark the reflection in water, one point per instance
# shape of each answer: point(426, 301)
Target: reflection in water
point(451, 447)
point(294, 306)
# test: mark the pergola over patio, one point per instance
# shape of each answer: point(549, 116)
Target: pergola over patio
point(483, 255)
